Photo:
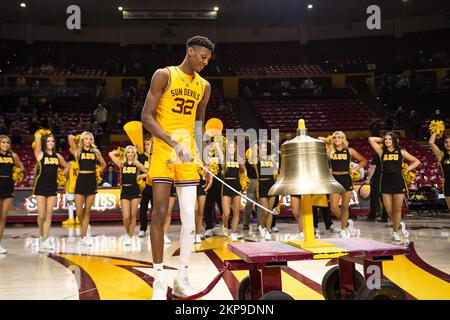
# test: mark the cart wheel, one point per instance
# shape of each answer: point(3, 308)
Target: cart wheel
point(276, 295)
point(387, 291)
point(244, 289)
point(331, 287)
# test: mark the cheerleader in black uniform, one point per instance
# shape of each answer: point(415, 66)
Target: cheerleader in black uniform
point(443, 157)
point(130, 195)
point(200, 207)
point(8, 159)
point(393, 187)
point(214, 195)
point(147, 193)
point(45, 185)
point(87, 155)
point(340, 156)
point(232, 165)
point(266, 168)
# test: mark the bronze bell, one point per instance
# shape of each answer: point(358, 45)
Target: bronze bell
point(304, 167)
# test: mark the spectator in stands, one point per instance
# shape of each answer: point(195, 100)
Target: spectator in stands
point(100, 92)
point(437, 115)
point(247, 92)
point(3, 127)
point(229, 107)
point(403, 83)
point(308, 83)
point(81, 124)
point(374, 128)
point(57, 123)
point(97, 131)
point(389, 122)
point(400, 118)
point(23, 101)
point(110, 175)
point(318, 91)
point(35, 124)
point(8, 119)
point(101, 116)
point(120, 121)
point(19, 113)
point(16, 130)
point(21, 82)
point(414, 125)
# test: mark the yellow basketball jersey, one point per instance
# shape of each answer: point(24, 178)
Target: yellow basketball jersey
point(177, 109)
point(73, 173)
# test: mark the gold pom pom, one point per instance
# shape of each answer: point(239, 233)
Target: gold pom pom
point(244, 180)
point(329, 139)
point(438, 127)
point(356, 176)
point(214, 168)
point(98, 174)
point(276, 176)
point(61, 179)
point(409, 176)
point(17, 175)
point(42, 132)
point(141, 184)
point(119, 152)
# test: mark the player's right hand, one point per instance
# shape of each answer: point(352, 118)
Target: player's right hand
point(183, 153)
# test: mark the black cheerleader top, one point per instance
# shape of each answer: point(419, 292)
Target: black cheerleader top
point(391, 162)
point(265, 169)
point(445, 166)
point(129, 174)
point(6, 164)
point(87, 160)
point(340, 161)
point(144, 160)
point(231, 169)
point(47, 169)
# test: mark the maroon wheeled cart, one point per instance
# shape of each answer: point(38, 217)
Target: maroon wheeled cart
point(265, 260)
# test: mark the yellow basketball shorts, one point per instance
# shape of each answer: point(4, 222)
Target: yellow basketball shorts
point(164, 169)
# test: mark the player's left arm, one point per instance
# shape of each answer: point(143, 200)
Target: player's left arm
point(413, 161)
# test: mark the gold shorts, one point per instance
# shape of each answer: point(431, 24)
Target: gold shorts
point(164, 169)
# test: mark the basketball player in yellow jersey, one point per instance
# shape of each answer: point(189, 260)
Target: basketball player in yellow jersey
point(177, 98)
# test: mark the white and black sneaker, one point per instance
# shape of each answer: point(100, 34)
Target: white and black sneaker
point(159, 290)
point(141, 234)
point(182, 288)
point(209, 233)
point(404, 231)
point(396, 237)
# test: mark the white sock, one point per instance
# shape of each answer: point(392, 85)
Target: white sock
point(182, 272)
point(71, 210)
point(159, 272)
point(187, 197)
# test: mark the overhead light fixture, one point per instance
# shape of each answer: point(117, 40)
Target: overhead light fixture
point(310, 6)
point(216, 8)
point(120, 8)
point(23, 5)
